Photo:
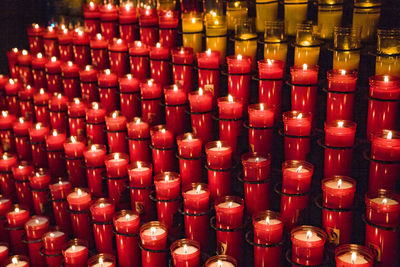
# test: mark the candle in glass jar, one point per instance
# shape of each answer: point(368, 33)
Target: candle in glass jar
point(168, 21)
point(129, 90)
point(58, 107)
point(39, 183)
point(108, 20)
point(39, 71)
point(208, 74)
point(40, 102)
point(118, 56)
point(192, 31)
point(216, 31)
point(261, 122)
point(182, 69)
point(175, 107)
point(12, 88)
point(189, 150)
point(102, 260)
point(4, 250)
point(16, 218)
point(221, 261)
point(99, 51)
point(116, 167)
point(308, 245)
point(338, 192)
point(17, 261)
point(139, 60)
point(353, 255)
point(116, 132)
point(95, 123)
point(266, 10)
point(229, 212)
point(50, 41)
point(153, 235)
point(297, 125)
point(75, 253)
point(185, 252)
point(81, 48)
point(65, 44)
point(138, 133)
point(80, 200)
point(295, 13)
point(159, 64)
point(88, 84)
point(70, 80)
point(127, 21)
point(148, 21)
point(37, 136)
point(24, 61)
point(102, 211)
point(201, 105)
point(383, 208)
point(91, 16)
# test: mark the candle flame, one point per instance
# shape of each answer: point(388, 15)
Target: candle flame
point(36, 26)
point(93, 148)
point(37, 221)
point(65, 31)
point(150, 82)
point(95, 105)
point(4, 113)
point(389, 135)
point(213, 13)
point(15, 50)
point(189, 137)
point(70, 63)
point(230, 98)
point(76, 100)
point(198, 188)
point(53, 59)
point(219, 144)
point(37, 174)
point(98, 36)
point(163, 130)
point(261, 106)
point(21, 120)
point(166, 178)
point(79, 192)
point(138, 121)
point(39, 55)
point(59, 96)
point(339, 183)
point(114, 114)
point(267, 220)
point(116, 156)
point(309, 234)
point(24, 52)
point(127, 216)
point(38, 126)
point(219, 263)
point(109, 6)
point(73, 140)
point(119, 41)
point(158, 45)
point(386, 78)
point(305, 66)
point(299, 116)
point(41, 91)
point(88, 67)
point(127, 6)
point(236, 4)
point(101, 261)
point(91, 4)
point(73, 247)
point(193, 20)
point(129, 76)
point(340, 124)
point(152, 230)
point(257, 159)
point(28, 87)
point(185, 249)
point(80, 33)
point(384, 201)
point(269, 61)
point(14, 260)
point(54, 133)
point(343, 72)
point(216, 22)
point(16, 210)
point(139, 44)
point(230, 204)
point(299, 168)
point(239, 57)
point(208, 52)
point(101, 205)
point(11, 81)
point(108, 71)
point(52, 234)
point(200, 91)
point(353, 257)
point(175, 88)
point(60, 182)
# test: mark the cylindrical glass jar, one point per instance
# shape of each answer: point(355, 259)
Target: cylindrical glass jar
point(346, 50)
point(216, 35)
point(329, 16)
point(366, 14)
point(295, 13)
point(266, 10)
point(235, 11)
point(307, 46)
point(275, 43)
point(388, 52)
point(246, 39)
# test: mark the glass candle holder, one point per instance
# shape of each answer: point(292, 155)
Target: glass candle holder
point(329, 16)
point(266, 10)
point(307, 46)
point(366, 14)
point(221, 260)
point(246, 39)
point(295, 12)
point(235, 12)
point(388, 52)
point(192, 31)
point(216, 33)
point(275, 43)
point(166, 4)
point(353, 255)
point(346, 48)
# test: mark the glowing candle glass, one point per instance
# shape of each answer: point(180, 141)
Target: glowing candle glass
point(266, 10)
point(388, 50)
point(295, 13)
point(275, 43)
point(216, 35)
point(235, 11)
point(366, 14)
point(329, 16)
point(246, 39)
point(192, 31)
point(307, 46)
point(346, 48)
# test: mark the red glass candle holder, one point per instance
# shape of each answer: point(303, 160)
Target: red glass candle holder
point(139, 140)
point(91, 15)
point(39, 183)
point(55, 153)
point(260, 125)
point(353, 255)
point(81, 48)
point(16, 218)
point(256, 167)
point(239, 77)
point(76, 253)
point(153, 236)
point(21, 174)
point(219, 155)
point(129, 95)
point(117, 175)
point(182, 67)
point(229, 212)
point(21, 135)
point(296, 176)
point(221, 259)
point(297, 131)
point(37, 136)
point(108, 20)
point(24, 61)
point(12, 57)
point(53, 241)
point(65, 45)
point(50, 42)
point(168, 21)
point(118, 56)
point(94, 163)
point(58, 112)
point(139, 60)
point(74, 161)
point(88, 78)
point(25, 97)
point(53, 75)
point(337, 225)
point(39, 71)
point(5, 206)
point(4, 251)
point(12, 88)
point(6, 131)
point(35, 227)
point(292, 207)
point(270, 74)
point(384, 91)
point(116, 132)
point(20, 260)
point(107, 84)
point(76, 117)
point(70, 80)
point(208, 72)
point(102, 213)
point(126, 224)
point(35, 38)
point(95, 124)
point(160, 69)
point(175, 107)
point(163, 148)
point(148, 22)
point(141, 185)
point(338, 192)
point(104, 259)
point(127, 22)
point(41, 107)
point(150, 93)
point(189, 155)
point(59, 192)
point(383, 208)
point(201, 106)
point(185, 252)
point(308, 245)
point(3, 101)
point(99, 52)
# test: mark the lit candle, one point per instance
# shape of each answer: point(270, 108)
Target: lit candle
point(185, 252)
point(266, 10)
point(216, 31)
point(329, 16)
point(192, 31)
point(295, 13)
point(153, 235)
point(307, 47)
point(353, 255)
point(308, 245)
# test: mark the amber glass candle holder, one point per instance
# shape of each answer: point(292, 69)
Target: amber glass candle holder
point(295, 12)
point(235, 12)
point(388, 52)
point(307, 46)
point(246, 39)
point(266, 10)
point(275, 42)
point(330, 14)
point(346, 48)
point(366, 14)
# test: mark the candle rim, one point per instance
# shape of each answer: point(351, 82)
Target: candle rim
point(184, 241)
point(232, 198)
point(340, 177)
point(346, 124)
point(293, 114)
point(383, 193)
point(224, 258)
point(383, 133)
point(144, 164)
point(193, 186)
point(172, 176)
point(262, 215)
point(314, 230)
point(360, 249)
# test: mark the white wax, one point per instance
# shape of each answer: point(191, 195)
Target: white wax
point(77, 248)
point(271, 221)
point(129, 218)
point(195, 192)
point(104, 264)
point(54, 234)
point(296, 169)
point(219, 148)
point(221, 264)
point(16, 212)
point(37, 221)
point(3, 248)
point(189, 250)
point(302, 236)
point(76, 195)
point(389, 201)
point(346, 257)
point(228, 204)
point(140, 169)
point(256, 159)
point(334, 184)
point(4, 200)
point(102, 205)
point(156, 231)
point(19, 264)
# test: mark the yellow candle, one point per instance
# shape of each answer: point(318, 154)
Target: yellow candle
point(329, 16)
point(266, 10)
point(387, 65)
point(346, 60)
point(347, 43)
point(275, 46)
point(295, 13)
point(246, 44)
point(192, 32)
point(216, 32)
point(276, 51)
point(235, 11)
point(366, 14)
point(307, 46)
point(388, 50)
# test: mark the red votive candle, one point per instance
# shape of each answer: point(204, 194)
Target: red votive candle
point(70, 80)
point(126, 224)
point(116, 132)
point(239, 68)
point(297, 131)
point(127, 22)
point(230, 119)
point(107, 84)
point(338, 225)
point(95, 124)
point(35, 227)
point(117, 172)
point(75, 253)
point(128, 93)
point(76, 117)
point(108, 20)
point(219, 155)
point(58, 112)
point(270, 73)
point(3, 101)
point(5, 206)
point(208, 72)
point(385, 154)
point(304, 96)
point(256, 167)
point(39, 183)
point(37, 137)
point(12, 88)
point(163, 150)
point(88, 78)
point(352, 255)
point(338, 192)
point(308, 245)
point(384, 91)
point(185, 252)
point(153, 236)
point(118, 56)
point(221, 260)
point(73, 148)
point(16, 218)
point(35, 38)
point(6, 131)
point(94, 163)
point(4, 251)
point(140, 182)
point(268, 230)
point(40, 102)
point(102, 259)
point(201, 105)
point(102, 212)
point(261, 122)
point(182, 67)
point(65, 45)
point(383, 208)
point(21, 174)
point(159, 64)
point(79, 202)
point(25, 97)
point(196, 198)
point(39, 71)
point(292, 208)
point(91, 17)
point(168, 21)
point(17, 260)
point(150, 97)
point(190, 152)
point(175, 106)
point(52, 244)
point(55, 153)
point(24, 61)
point(139, 60)
point(50, 41)
point(148, 22)
point(59, 192)
point(81, 48)
point(339, 142)
point(99, 52)
point(53, 75)
point(12, 57)
point(139, 140)
point(296, 176)
point(341, 91)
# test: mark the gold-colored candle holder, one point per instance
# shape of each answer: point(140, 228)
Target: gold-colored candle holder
point(330, 14)
point(307, 46)
point(266, 10)
point(388, 53)
point(192, 31)
point(366, 14)
point(246, 39)
point(346, 48)
point(275, 42)
point(295, 13)
point(235, 12)
point(166, 4)
point(216, 33)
